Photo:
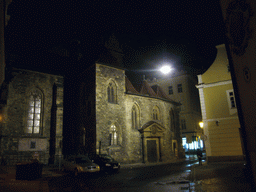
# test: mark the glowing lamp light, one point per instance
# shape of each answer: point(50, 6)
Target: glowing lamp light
point(165, 69)
point(201, 124)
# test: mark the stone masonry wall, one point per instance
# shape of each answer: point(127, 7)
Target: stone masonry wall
point(146, 105)
point(15, 144)
point(129, 147)
point(108, 114)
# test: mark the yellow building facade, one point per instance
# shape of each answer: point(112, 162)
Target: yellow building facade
point(219, 112)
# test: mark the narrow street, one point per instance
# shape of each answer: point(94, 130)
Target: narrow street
point(148, 178)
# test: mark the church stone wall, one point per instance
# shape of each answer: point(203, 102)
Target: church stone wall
point(108, 114)
point(129, 147)
point(134, 141)
point(15, 144)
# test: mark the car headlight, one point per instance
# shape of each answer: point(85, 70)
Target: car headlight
point(79, 168)
point(107, 164)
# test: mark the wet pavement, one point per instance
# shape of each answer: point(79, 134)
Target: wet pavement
point(220, 177)
point(209, 177)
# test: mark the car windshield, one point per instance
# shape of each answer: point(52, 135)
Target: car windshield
point(83, 160)
point(107, 157)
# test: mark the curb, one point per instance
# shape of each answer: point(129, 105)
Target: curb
point(137, 165)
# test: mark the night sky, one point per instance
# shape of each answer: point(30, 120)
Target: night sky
point(182, 32)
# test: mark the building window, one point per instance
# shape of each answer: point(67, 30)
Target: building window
point(231, 101)
point(171, 114)
point(183, 124)
point(170, 90)
point(179, 86)
point(156, 114)
point(32, 145)
point(113, 135)
point(112, 96)
point(135, 117)
point(34, 112)
point(228, 68)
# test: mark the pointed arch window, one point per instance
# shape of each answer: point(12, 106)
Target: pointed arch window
point(34, 115)
point(113, 135)
point(112, 95)
point(156, 113)
point(135, 117)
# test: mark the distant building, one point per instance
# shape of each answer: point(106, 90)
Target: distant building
point(3, 80)
point(33, 117)
point(3, 22)
point(180, 87)
point(219, 112)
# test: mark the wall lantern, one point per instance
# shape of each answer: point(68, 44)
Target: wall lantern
point(2, 118)
point(201, 124)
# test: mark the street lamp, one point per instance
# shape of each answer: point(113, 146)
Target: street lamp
point(201, 124)
point(165, 69)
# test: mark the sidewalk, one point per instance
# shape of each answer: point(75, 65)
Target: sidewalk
point(8, 182)
point(137, 165)
point(220, 177)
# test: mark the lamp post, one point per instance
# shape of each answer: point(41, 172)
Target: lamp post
point(203, 137)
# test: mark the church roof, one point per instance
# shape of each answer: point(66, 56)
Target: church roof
point(129, 87)
point(154, 91)
point(159, 92)
point(147, 90)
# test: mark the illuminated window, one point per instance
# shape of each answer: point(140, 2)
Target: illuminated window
point(156, 114)
point(179, 86)
point(135, 117)
point(113, 135)
point(34, 112)
point(112, 97)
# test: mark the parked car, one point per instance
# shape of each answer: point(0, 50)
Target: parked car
point(106, 163)
point(79, 164)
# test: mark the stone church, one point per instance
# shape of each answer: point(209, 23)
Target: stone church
point(113, 117)
point(128, 124)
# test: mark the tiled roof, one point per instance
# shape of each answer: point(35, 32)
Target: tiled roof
point(147, 90)
point(129, 87)
point(160, 93)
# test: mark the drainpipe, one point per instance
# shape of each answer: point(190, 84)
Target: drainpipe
point(143, 155)
point(160, 151)
point(53, 125)
point(100, 148)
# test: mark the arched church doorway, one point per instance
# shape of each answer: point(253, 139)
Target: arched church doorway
point(152, 134)
point(152, 153)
